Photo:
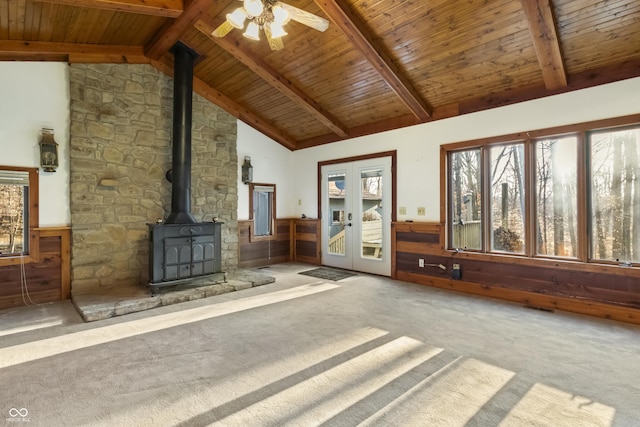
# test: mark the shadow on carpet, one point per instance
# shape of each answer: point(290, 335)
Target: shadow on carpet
point(328, 273)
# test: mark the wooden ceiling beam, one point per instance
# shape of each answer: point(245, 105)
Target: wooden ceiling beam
point(268, 74)
point(166, 8)
point(171, 32)
point(545, 41)
point(73, 52)
point(230, 106)
point(362, 39)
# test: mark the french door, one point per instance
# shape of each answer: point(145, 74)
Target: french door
point(356, 215)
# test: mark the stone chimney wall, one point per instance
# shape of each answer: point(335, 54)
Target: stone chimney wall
point(120, 151)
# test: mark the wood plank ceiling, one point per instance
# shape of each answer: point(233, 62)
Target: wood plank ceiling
point(381, 65)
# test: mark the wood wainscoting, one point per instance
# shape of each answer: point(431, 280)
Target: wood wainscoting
point(46, 278)
point(608, 291)
point(296, 239)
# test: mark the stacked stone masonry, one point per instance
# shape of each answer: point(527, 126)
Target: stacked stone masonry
point(120, 151)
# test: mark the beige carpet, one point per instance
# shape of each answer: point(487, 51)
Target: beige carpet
point(304, 352)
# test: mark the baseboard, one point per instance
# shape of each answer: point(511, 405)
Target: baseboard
point(530, 299)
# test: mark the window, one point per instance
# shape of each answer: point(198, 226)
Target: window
point(507, 197)
point(574, 195)
point(337, 216)
point(18, 210)
point(465, 206)
point(262, 207)
point(556, 195)
point(615, 194)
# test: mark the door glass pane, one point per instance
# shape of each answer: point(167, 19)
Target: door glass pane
point(615, 195)
point(337, 193)
point(507, 198)
point(466, 206)
point(556, 196)
point(371, 208)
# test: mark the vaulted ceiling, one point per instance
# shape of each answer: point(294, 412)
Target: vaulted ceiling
point(381, 65)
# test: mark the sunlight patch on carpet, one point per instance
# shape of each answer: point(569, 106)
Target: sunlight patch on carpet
point(545, 405)
point(244, 385)
point(27, 352)
point(315, 400)
point(451, 396)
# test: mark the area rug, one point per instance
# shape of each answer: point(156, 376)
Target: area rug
point(328, 273)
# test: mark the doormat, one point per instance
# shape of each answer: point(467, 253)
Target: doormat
point(328, 273)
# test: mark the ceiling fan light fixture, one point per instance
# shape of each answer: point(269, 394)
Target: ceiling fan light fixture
point(253, 7)
point(252, 32)
point(280, 15)
point(237, 18)
point(276, 30)
point(269, 16)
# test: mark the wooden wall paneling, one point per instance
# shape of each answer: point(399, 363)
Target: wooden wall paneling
point(46, 278)
point(590, 308)
point(263, 252)
point(280, 250)
point(608, 291)
point(307, 241)
point(64, 233)
point(250, 254)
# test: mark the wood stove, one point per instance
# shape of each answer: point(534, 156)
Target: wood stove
point(183, 251)
point(180, 248)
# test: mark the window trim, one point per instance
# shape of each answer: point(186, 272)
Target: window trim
point(34, 215)
point(273, 235)
point(580, 130)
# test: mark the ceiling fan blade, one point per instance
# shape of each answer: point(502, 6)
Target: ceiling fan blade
point(274, 44)
point(222, 30)
point(306, 18)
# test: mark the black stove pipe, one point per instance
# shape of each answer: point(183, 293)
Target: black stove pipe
point(183, 59)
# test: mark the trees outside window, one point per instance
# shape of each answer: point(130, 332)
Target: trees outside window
point(14, 212)
point(556, 193)
point(542, 197)
point(465, 199)
point(615, 195)
point(507, 198)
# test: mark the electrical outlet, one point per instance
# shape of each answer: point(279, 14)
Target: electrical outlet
point(299, 202)
point(422, 211)
point(456, 272)
point(421, 262)
point(403, 210)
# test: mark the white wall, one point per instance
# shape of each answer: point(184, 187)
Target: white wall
point(272, 164)
point(418, 147)
point(34, 95)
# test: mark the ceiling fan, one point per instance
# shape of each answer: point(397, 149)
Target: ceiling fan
point(271, 16)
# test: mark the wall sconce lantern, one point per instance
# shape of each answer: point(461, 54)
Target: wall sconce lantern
point(247, 170)
point(48, 151)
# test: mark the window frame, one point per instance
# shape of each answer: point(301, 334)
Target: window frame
point(33, 211)
point(580, 131)
point(252, 236)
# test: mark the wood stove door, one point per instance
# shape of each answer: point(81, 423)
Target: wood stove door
point(203, 255)
point(177, 258)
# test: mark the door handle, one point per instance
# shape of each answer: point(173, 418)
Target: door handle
point(348, 224)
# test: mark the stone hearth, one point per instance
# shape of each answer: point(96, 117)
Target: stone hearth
point(119, 300)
